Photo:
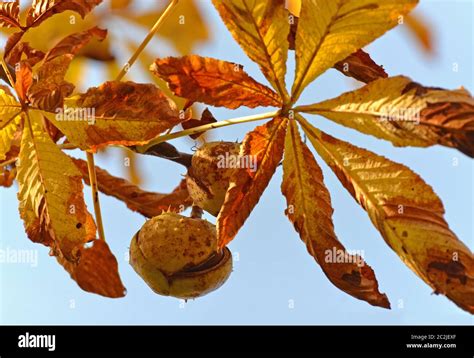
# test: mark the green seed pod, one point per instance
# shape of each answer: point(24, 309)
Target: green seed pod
point(177, 256)
point(209, 175)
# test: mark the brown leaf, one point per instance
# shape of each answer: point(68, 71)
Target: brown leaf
point(206, 118)
point(214, 82)
point(360, 66)
point(309, 209)
point(264, 145)
point(49, 89)
point(96, 270)
point(124, 113)
point(7, 177)
point(149, 204)
point(15, 48)
point(9, 11)
point(42, 9)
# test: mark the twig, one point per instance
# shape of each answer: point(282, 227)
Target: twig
point(95, 194)
point(8, 162)
point(163, 138)
point(123, 72)
point(147, 39)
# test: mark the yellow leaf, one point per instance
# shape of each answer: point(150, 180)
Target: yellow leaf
point(9, 120)
point(329, 31)
point(405, 113)
point(309, 209)
point(261, 28)
point(264, 145)
point(406, 211)
point(51, 186)
point(214, 82)
point(124, 113)
point(54, 212)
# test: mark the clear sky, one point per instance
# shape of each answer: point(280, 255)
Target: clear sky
point(275, 281)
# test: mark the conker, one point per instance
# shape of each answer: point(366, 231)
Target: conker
point(177, 256)
point(208, 177)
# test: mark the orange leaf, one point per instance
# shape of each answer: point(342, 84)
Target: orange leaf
point(309, 209)
point(49, 89)
point(23, 79)
point(214, 82)
point(42, 9)
point(265, 145)
point(147, 203)
point(96, 270)
point(124, 113)
point(9, 11)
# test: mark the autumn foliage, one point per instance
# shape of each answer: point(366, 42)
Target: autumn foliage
point(324, 34)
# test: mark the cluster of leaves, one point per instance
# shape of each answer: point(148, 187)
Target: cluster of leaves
point(328, 34)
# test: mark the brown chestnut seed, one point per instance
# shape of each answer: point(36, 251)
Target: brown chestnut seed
point(208, 177)
point(177, 256)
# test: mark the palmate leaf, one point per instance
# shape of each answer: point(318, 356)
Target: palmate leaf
point(405, 113)
point(329, 31)
point(9, 120)
point(309, 209)
point(149, 204)
point(122, 113)
point(265, 144)
point(261, 28)
point(214, 82)
point(54, 212)
point(406, 211)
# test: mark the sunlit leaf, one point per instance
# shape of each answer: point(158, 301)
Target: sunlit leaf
point(124, 113)
point(264, 145)
point(9, 11)
point(406, 211)
point(329, 31)
point(9, 120)
point(309, 209)
point(261, 28)
point(214, 82)
point(405, 113)
point(42, 9)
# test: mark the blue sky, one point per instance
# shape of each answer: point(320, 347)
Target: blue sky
point(274, 281)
